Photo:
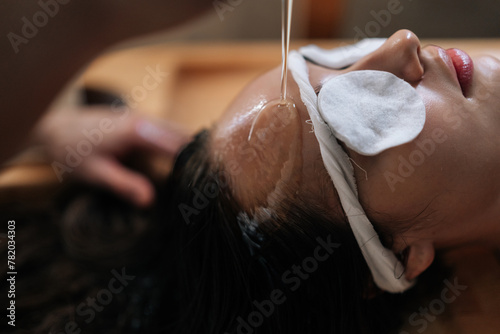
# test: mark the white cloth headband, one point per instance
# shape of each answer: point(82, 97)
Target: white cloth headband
point(381, 261)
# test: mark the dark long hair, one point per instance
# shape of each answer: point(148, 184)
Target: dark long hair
point(194, 263)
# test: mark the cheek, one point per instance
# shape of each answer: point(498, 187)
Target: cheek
point(401, 182)
point(486, 87)
point(486, 93)
point(456, 142)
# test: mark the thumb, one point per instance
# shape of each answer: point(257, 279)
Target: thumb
point(110, 174)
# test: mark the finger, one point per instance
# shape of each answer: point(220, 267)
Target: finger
point(167, 138)
point(110, 174)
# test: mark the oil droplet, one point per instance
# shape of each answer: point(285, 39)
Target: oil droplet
point(285, 112)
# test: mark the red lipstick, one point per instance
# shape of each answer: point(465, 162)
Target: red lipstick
point(464, 68)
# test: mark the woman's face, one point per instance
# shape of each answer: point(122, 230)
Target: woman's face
point(446, 177)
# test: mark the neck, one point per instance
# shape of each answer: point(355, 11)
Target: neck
point(491, 221)
point(481, 227)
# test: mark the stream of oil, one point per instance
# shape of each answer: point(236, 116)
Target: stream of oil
point(286, 22)
point(283, 101)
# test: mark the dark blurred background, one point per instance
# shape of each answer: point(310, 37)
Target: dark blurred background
point(260, 19)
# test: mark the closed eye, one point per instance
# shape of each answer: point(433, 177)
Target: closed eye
point(320, 85)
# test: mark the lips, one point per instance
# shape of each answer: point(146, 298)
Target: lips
point(464, 67)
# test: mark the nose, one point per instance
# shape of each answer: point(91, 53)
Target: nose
point(399, 55)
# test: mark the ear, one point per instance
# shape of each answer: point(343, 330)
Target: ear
point(420, 256)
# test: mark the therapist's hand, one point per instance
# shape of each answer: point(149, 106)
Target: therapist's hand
point(43, 57)
point(90, 143)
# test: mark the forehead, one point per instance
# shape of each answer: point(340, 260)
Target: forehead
point(281, 158)
point(263, 89)
point(248, 103)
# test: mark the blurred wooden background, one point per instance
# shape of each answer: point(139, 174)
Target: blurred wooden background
point(200, 80)
point(208, 61)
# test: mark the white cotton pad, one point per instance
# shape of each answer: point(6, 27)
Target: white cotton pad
point(381, 261)
point(371, 111)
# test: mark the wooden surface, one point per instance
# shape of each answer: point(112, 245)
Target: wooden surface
point(200, 81)
point(204, 78)
point(325, 18)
